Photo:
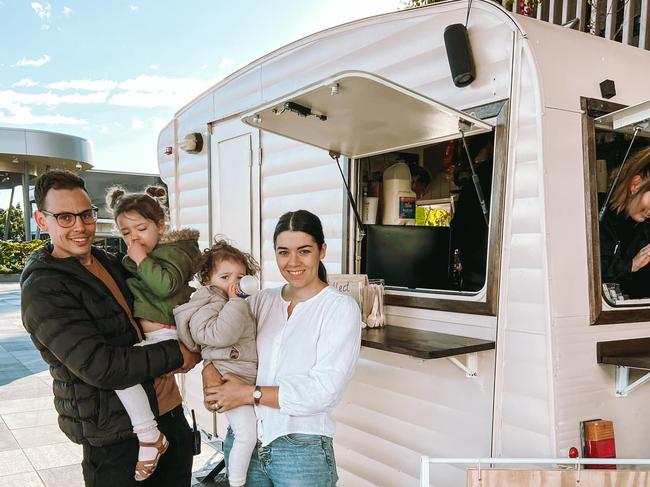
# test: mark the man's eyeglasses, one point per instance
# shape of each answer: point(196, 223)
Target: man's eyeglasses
point(67, 220)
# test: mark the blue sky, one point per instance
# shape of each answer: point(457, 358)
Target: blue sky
point(115, 72)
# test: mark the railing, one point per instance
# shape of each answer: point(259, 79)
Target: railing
point(486, 462)
point(624, 21)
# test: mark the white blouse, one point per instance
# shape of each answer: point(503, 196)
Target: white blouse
point(311, 355)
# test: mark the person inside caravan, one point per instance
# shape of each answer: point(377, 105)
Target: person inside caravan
point(420, 181)
point(469, 230)
point(625, 229)
point(308, 341)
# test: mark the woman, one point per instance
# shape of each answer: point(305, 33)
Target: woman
point(625, 232)
point(308, 343)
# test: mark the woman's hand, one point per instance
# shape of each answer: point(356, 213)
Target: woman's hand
point(233, 393)
point(641, 259)
point(211, 378)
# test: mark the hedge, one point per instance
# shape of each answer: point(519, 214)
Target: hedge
point(13, 255)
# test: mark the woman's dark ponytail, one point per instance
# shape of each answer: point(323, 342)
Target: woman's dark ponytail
point(307, 222)
point(322, 272)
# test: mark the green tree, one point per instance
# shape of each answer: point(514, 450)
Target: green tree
point(16, 224)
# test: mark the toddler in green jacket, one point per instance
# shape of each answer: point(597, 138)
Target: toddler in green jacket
point(161, 265)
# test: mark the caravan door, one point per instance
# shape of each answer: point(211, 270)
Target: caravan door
point(234, 180)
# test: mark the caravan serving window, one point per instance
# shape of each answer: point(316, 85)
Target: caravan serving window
point(391, 135)
point(424, 218)
point(617, 223)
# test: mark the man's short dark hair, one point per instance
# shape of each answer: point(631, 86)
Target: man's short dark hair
point(55, 179)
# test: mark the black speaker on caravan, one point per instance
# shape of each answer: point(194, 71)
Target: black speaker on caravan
point(459, 55)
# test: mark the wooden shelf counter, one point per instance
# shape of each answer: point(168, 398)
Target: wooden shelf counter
point(421, 343)
point(634, 353)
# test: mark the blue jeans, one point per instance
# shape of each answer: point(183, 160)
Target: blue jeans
point(294, 460)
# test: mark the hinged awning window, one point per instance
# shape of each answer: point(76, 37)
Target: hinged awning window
point(357, 114)
point(628, 119)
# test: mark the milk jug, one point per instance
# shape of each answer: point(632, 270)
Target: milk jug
point(399, 199)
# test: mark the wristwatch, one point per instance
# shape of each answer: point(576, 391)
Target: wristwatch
point(257, 395)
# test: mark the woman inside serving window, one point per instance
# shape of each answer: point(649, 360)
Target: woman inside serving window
point(625, 229)
point(308, 343)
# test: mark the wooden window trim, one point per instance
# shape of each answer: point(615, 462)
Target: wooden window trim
point(592, 108)
point(488, 307)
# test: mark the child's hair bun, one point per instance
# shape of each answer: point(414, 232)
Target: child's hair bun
point(157, 192)
point(113, 195)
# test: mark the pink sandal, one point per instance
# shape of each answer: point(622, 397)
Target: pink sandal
point(145, 468)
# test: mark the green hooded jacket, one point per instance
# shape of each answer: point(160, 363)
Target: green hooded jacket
point(160, 282)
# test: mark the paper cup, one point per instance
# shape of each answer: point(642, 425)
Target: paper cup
point(370, 205)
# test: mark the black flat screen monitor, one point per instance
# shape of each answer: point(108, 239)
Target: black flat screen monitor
point(408, 256)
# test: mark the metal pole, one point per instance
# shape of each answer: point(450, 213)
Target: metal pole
point(26, 204)
point(541, 461)
point(7, 219)
point(424, 472)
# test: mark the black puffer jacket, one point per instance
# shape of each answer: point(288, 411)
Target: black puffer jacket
point(87, 339)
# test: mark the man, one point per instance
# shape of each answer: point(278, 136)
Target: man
point(76, 308)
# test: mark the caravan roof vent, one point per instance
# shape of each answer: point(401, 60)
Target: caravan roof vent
point(358, 114)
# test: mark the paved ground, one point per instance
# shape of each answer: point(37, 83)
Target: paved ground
point(33, 451)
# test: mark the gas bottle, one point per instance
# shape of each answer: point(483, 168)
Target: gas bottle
point(399, 199)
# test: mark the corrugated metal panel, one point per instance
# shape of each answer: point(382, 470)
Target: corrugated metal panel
point(192, 169)
point(295, 176)
point(167, 168)
point(524, 419)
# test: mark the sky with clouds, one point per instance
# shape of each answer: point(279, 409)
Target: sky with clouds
point(115, 72)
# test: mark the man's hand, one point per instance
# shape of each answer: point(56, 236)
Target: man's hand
point(137, 252)
point(190, 359)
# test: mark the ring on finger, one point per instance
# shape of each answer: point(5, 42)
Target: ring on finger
point(216, 406)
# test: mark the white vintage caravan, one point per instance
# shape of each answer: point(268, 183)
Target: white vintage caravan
point(521, 369)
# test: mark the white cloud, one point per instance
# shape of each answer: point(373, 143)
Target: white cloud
point(104, 129)
point(84, 84)
point(25, 83)
point(134, 8)
point(67, 11)
point(226, 63)
point(10, 97)
point(137, 123)
point(153, 66)
point(43, 10)
point(157, 91)
point(44, 59)
point(15, 114)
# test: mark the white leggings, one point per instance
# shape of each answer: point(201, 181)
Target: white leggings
point(134, 398)
point(243, 423)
